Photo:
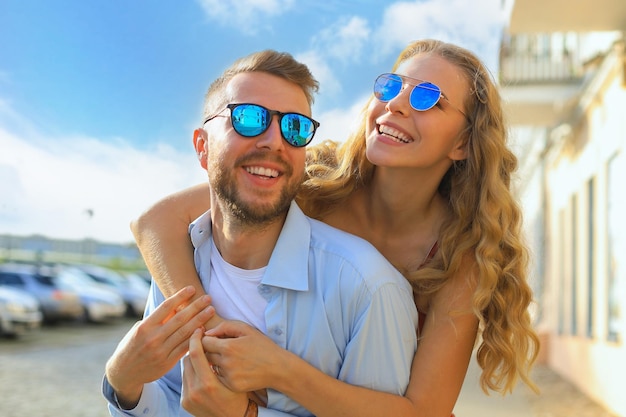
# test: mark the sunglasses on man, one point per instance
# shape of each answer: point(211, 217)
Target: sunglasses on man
point(250, 120)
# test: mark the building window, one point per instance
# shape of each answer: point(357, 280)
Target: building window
point(561, 292)
point(616, 248)
point(573, 260)
point(590, 256)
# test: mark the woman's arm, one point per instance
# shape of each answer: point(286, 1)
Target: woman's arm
point(161, 233)
point(248, 360)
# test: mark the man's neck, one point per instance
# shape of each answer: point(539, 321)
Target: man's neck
point(246, 246)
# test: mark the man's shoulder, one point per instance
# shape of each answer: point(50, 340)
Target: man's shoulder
point(358, 261)
point(352, 248)
point(325, 233)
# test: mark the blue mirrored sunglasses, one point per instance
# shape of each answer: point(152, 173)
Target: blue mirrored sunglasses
point(423, 97)
point(250, 120)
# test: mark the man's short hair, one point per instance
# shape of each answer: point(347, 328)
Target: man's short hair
point(280, 64)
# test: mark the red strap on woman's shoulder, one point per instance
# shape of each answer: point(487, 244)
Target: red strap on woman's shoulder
point(431, 254)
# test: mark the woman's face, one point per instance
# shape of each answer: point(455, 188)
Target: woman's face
point(399, 136)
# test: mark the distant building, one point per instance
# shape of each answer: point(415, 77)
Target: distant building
point(563, 78)
point(42, 248)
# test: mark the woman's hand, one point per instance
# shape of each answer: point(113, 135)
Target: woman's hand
point(247, 359)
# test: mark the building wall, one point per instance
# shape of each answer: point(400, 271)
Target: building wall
point(585, 295)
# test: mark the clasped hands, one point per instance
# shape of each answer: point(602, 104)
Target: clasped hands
point(240, 353)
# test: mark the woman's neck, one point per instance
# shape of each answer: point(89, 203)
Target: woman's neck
point(401, 200)
point(400, 215)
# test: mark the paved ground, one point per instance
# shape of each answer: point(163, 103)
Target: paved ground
point(57, 372)
point(558, 398)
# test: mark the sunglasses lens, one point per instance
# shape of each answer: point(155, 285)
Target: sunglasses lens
point(387, 86)
point(424, 96)
point(250, 120)
point(297, 129)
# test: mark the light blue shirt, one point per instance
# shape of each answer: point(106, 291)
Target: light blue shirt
point(333, 300)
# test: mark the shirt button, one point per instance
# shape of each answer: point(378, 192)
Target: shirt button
point(278, 331)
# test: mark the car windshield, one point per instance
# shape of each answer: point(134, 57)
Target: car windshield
point(75, 279)
point(8, 278)
point(45, 280)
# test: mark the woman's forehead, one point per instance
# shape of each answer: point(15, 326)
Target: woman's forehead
point(437, 70)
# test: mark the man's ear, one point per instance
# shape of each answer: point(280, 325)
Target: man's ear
point(200, 145)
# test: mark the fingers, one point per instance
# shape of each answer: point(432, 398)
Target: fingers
point(184, 323)
point(197, 360)
point(198, 378)
point(215, 345)
point(195, 314)
point(230, 329)
point(172, 323)
point(169, 307)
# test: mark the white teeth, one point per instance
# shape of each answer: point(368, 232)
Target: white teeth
point(394, 133)
point(264, 172)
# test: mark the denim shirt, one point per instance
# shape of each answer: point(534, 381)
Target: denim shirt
point(333, 300)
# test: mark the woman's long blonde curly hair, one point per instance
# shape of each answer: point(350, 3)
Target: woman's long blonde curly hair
point(484, 225)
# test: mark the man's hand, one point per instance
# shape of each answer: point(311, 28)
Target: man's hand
point(155, 344)
point(203, 394)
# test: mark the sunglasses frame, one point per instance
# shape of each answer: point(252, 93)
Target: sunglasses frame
point(271, 113)
point(416, 83)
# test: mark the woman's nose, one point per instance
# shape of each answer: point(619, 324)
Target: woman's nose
point(400, 103)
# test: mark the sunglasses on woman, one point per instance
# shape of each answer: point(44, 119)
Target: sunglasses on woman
point(423, 97)
point(250, 120)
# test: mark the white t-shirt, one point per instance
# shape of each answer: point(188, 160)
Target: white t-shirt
point(235, 293)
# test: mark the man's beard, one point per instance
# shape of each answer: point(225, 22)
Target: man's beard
point(251, 213)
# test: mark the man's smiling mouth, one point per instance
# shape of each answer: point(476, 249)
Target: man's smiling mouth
point(262, 172)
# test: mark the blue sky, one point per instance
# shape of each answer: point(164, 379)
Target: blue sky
point(98, 99)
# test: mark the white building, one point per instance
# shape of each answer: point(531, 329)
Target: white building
point(563, 78)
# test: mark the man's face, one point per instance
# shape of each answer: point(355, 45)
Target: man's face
point(255, 178)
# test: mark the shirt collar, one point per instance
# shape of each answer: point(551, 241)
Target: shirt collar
point(288, 265)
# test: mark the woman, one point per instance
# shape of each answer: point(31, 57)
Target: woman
point(426, 179)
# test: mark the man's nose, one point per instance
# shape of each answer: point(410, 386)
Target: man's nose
point(272, 137)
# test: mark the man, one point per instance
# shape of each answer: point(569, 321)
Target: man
point(264, 262)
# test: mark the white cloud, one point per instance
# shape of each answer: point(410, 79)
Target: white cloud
point(472, 24)
point(344, 39)
point(245, 15)
point(337, 123)
point(322, 71)
point(48, 184)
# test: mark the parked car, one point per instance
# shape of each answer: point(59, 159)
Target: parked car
point(55, 303)
point(135, 296)
point(137, 280)
point(19, 312)
point(143, 275)
point(100, 303)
